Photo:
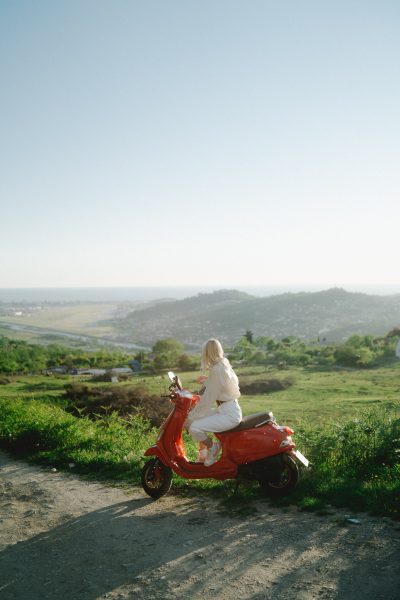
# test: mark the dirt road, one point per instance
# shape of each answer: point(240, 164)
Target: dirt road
point(66, 538)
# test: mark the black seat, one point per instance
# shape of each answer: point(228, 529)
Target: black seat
point(252, 421)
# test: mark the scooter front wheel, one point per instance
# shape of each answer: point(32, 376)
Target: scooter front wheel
point(286, 481)
point(156, 478)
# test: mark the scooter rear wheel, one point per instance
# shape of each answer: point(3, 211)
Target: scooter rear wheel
point(286, 482)
point(156, 478)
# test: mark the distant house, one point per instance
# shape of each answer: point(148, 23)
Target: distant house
point(94, 372)
point(135, 366)
point(61, 370)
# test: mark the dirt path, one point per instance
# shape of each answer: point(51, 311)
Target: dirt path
point(66, 538)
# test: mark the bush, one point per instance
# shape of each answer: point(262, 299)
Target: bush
point(351, 356)
point(188, 363)
point(265, 387)
point(259, 357)
point(92, 401)
point(108, 376)
point(356, 463)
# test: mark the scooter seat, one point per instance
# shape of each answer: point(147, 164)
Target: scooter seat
point(252, 421)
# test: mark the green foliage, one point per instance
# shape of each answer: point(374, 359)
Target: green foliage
point(243, 350)
point(267, 344)
point(290, 350)
point(355, 462)
point(110, 446)
point(249, 336)
point(167, 353)
point(167, 345)
point(188, 363)
point(359, 351)
point(21, 357)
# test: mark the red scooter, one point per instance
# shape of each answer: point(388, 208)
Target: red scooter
point(257, 449)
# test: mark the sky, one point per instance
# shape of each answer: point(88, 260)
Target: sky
point(219, 143)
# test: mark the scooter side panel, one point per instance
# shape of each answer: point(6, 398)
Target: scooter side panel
point(253, 444)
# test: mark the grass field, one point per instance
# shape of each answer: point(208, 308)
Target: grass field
point(347, 423)
point(82, 318)
point(324, 395)
point(314, 395)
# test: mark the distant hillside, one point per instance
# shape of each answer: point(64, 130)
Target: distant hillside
point(333, 314)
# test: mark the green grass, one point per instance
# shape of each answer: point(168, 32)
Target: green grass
point(315, 394)
point(35, 387)
point(324, 395)
point(347, 423)
point(111, 447)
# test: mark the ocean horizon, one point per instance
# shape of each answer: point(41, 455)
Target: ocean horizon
point(148, 293)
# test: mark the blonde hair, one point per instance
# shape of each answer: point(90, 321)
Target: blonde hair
point(211, 354)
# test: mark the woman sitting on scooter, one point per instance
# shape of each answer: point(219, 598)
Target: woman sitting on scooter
point(222, 387)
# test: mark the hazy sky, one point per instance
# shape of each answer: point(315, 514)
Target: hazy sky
point(188, 142)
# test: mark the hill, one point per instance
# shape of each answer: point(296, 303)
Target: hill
point(332, 315)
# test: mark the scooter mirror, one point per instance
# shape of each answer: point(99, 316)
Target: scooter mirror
point(171, 375)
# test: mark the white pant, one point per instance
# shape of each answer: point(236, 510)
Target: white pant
point(226, 416)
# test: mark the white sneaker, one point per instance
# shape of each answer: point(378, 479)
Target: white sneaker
point(212, 454)
point(202, 455)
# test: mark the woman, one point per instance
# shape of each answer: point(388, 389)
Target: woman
point(222, 387)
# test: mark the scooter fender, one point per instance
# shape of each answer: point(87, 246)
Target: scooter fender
point(155, 451)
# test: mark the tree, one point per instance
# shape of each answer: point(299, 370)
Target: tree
point(395, 332)
point(266, 343)
point(168, 345)
point(249, 336)
point(243, 349)
point(141, 356)
point(166, 353)
point(188, 363)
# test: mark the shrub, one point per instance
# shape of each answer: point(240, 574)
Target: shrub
point(265, 387)
point(188, 363)
point(356, 463)
point(100, 400)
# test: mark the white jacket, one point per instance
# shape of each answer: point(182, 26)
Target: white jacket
point(222, 384)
